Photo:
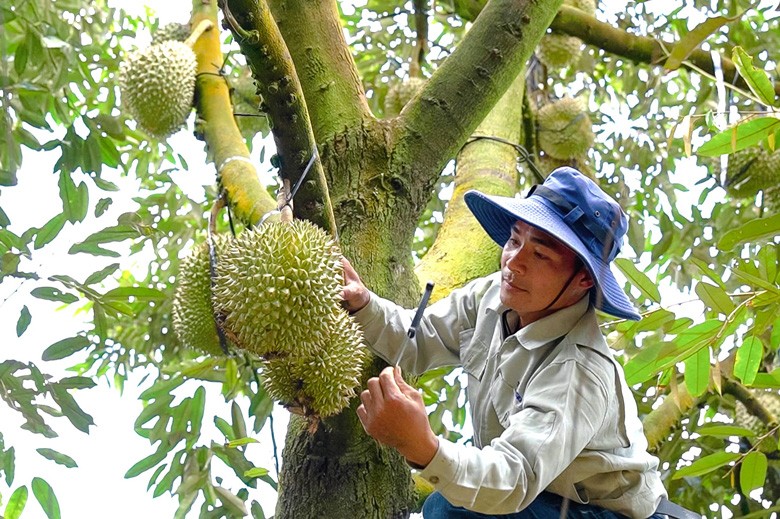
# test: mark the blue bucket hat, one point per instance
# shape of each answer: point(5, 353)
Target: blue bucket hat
point(573, 209)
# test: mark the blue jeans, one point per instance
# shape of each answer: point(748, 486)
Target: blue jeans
point(545, 506)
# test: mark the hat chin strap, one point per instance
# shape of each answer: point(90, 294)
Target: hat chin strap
point(565, 286)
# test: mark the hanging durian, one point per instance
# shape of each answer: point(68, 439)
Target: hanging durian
point(743, 418)
point(193, 313)
point(565, 129)
point(750, 171)
point(400, 93)
point(171, 31)
point(158, 84)
point(558, 51)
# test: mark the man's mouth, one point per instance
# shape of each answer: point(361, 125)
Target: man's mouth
point(508, 281)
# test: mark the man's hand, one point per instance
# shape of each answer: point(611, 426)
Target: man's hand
point(355, 295)
point(393, 413)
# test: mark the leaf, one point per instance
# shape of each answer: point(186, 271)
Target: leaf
point(23, 322)
point(146, 463)
point(20, 58)
point(139, 293)
point(724, 431)
point(638, 279)
point(102, 206)
point(231, 502)
point(49, 231)
point(748, 360)
point(693, 39)
point(65, 348)
point(753, 471)
point(758, 229)
point(748, 132)
point(77, 383)
point(45, 496)
point(57, 457)
point(241, 441)
point(715, 297)
point(697, 372)
point(757, 79)
point(97, 277)
point(53, 294)
point(92, 245)
point(16, 503)
point(71, 409)
point(255, 472)
point(706, 464)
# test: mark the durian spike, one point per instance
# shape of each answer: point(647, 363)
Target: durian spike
point(203, 26)
point(285, 202)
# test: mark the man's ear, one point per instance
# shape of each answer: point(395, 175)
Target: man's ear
point(584, 279)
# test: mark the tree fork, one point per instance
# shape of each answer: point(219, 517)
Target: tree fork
point(459, 95)
point(266, 52)
point(236, 174)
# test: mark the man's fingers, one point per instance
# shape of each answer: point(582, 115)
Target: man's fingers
point(375, 388)
point(388, 383)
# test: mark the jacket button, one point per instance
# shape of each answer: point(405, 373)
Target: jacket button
point(433, 479)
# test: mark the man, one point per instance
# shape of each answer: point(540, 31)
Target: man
point(555, 425)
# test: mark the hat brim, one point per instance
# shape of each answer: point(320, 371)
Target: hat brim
point(497, 215)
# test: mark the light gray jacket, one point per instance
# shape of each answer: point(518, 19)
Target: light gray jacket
point(549, 404)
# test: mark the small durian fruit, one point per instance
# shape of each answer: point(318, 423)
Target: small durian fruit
point(158, 85)
point(193, 314)
point(744, 418)
point(275, 286)
point(588, 6)
point(332, 374)
point(558, 51)
point(171, 31)
point(565, 129)
point(399, 95)
point(751, 170)
point(281, 381)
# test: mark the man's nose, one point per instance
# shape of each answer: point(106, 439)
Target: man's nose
point(516, 261)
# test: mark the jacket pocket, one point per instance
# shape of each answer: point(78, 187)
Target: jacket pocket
point(473, 354)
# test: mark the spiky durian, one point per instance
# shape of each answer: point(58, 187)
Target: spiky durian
point(565, 130)
point(281, 381)
point(275, 284)
point(331, 374)
point(193, 314)
point(752, 170)
point(171, 31)
point(399, 94)
point(588, 6)
point(558, 51)
point(743, 418)
point(157, 85)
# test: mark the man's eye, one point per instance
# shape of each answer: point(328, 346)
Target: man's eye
point(541, 256)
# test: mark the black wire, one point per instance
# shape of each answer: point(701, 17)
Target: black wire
point(524, 155)
point(314, 156)
point(213, 274)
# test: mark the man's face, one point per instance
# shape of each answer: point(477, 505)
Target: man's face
point(535, 267)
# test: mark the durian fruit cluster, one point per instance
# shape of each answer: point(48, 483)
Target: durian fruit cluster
point(752, 170)
point(564, 129)
point(400, 93)
point(743, 418)
point(276, 295)
point(558, 51)
point(158, 83)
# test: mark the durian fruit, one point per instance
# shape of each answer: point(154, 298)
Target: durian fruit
point(589, 6)
point(558, 51)
point(565, 129)
point(275, 281)
point(399, 94)
point(743, 418)
point(158, 85)
point(171, 31)
point(752, 170)
point(193, 314)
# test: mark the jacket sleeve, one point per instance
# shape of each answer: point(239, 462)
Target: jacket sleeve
point(565, 407)
point(437, 340)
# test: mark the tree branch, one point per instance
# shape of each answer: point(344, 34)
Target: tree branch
point(266, 52)
point(328, 75)
point(236, 174)
point(437, 122)
point(642, 49)
point(749, 400)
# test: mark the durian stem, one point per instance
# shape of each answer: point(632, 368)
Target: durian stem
point(285, 204)
point(219, 203)
point(203, 26)
point(749, 400)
